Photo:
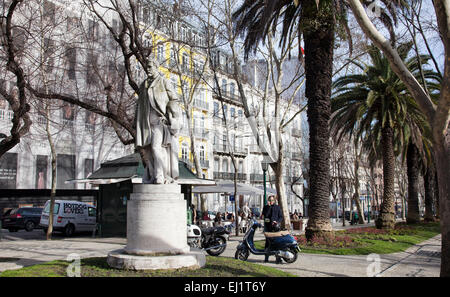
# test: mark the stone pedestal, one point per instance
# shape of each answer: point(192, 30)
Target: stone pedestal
point(156, 231)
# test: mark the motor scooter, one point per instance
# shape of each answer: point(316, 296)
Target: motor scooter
point(213, 240)
point(282, 245)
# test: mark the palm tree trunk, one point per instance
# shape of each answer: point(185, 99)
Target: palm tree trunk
point(436, 195)
point(412, 162)
point(442, 157)
point(319, 42)
point(356, 185)
point(386, 219)
point(428, 180)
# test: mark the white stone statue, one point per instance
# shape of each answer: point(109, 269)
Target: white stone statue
point(158, 121)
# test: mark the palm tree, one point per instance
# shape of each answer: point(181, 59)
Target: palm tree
point(375, 107)
point(315, 21)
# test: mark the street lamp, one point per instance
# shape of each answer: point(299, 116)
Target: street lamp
point(265, 167)
point(368, 203)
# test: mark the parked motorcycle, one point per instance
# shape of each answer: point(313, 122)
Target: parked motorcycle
point(282, 245)
point(213, 240)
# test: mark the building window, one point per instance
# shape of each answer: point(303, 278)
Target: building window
point(88, 167)
point(146, 15)
point(202, 152)
point(232, 113)
point(65, 170)
point(49, 11)
point(184, 152)
point(147, 40)
point(224, 165)
point(224, 85)
point(216, 109)
point(225, 110)
point(160, 54)
point(68, 112)
point(91, 68)
point(173, 59)
point(41, 171)
point(185, 61)
point(232, 89)
point(49, 47)
point(71, 57)
point(8, 171)
point(224, 138)
point(93, 30)
point(216, 165)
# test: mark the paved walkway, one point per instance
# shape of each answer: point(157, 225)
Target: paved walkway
point(420, 260)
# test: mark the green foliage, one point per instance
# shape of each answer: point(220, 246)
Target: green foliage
point(367, 240)
point(366, 102)
point(97, 267)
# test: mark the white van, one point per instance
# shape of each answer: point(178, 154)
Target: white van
point(69, 217)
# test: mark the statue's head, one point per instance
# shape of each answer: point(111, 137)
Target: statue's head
point(152, 67)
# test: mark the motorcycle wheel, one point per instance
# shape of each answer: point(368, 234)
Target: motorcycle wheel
point(242, 254)
point(287, 260)
point(220, 250)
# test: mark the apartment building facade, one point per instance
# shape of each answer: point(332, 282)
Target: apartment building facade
point(84, 140)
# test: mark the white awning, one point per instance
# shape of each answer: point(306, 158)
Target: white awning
point(138, 180)
point(228, 188)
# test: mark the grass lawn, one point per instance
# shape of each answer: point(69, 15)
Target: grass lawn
point(367, 240)
point(97, 267)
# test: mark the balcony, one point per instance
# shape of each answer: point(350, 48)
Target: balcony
point(254, 148)
point(68, 123)
point(217, 121)
point(6, 115)
point(227, 96)
point(204, 164)
point(256, 177)
point(223, 148)
point(200, 104)
point(201, 133)
point(220, 148)
point(241, 177)
point(89, 127)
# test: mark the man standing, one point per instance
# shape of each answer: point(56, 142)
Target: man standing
point(272, 216)
point(246, 211)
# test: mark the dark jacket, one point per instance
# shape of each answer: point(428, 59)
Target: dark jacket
point(273, 213)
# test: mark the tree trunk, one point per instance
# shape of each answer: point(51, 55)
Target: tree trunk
point(412, 161)
point(403, 209)
point(442, 157)
point(436, 195)
point(428, 180)
point(281, 190)
point(356, 184)
point(386, 219)
point(438, 115)
point(319, 42)
point(53, 162)
point(343, 192)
